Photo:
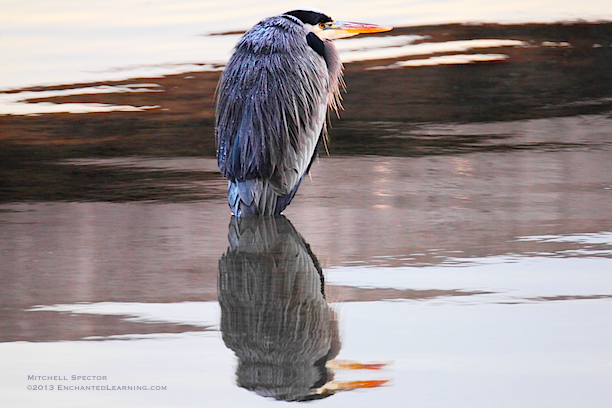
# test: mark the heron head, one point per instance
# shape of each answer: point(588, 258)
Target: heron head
point(327, 28)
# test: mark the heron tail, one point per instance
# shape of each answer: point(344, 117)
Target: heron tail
point(256, 197)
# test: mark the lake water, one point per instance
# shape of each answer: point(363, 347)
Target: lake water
point(67, 41)
point(455, 245)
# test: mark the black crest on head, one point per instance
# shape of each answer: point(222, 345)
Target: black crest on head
point(312, 18)
point(309, 17)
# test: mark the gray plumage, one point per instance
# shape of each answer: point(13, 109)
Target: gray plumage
point(272, 103)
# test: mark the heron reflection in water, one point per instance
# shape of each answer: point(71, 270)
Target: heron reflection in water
point(275, 317)
point(273, 98)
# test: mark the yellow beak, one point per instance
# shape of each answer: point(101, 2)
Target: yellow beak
point(360, 28)
point(343, 29)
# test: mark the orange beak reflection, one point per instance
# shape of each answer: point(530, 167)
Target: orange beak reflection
point(333, 387)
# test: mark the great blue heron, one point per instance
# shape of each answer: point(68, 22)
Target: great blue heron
point(272, 101)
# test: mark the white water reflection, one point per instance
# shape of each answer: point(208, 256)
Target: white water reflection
point(198, 314)
point(18, 107)
point(353, 44)
point(507, 279)
point(19, 103)
point(428, 48)
point(592, 238)
point(446, 60)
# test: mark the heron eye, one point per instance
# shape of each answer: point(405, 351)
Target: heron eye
point(322, 26)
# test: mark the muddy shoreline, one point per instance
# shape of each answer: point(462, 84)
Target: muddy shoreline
point(565, 76)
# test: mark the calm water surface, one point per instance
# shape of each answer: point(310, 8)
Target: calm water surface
point(459, 234)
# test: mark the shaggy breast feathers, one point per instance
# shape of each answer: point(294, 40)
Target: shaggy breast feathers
point(271, 106)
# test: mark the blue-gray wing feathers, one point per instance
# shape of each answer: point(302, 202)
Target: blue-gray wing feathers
point(271, 109)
